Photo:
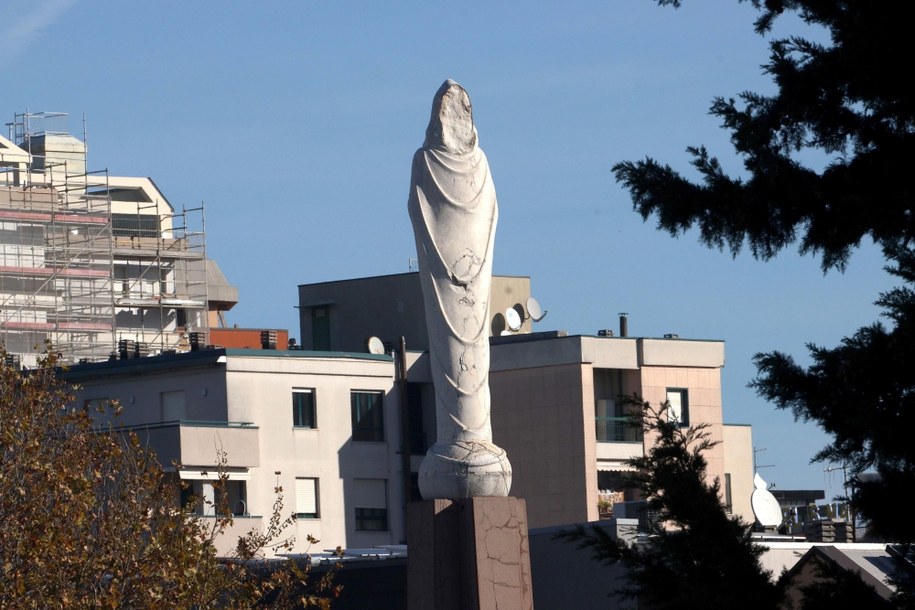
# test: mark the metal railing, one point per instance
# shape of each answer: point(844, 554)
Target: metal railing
point(617, 430)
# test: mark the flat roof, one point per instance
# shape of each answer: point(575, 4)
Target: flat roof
point(392, 275)
point(204, 357)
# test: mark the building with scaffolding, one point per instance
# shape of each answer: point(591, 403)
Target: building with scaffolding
point(102, 266)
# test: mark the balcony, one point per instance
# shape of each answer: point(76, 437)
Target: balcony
point(616, 429)
point(200, 443)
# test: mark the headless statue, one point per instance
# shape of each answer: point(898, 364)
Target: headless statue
point(453, 209)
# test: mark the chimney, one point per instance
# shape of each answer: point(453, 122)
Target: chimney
point(624, 324)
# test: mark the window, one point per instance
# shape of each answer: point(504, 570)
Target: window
point(418, 394)
point(303, 409)
point(370, 500)
point(211, 497)
point(728, 504)
point(368, 416)
point(135, 225)
point(173, 405)
point(306, 498)
point(612, 414)
point(679, 406)
point(320, 329)
point(371, 519)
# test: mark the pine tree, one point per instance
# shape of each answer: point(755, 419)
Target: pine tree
point(848, 101)
point(695, 555)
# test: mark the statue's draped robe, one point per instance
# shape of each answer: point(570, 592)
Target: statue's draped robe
point(453, 209)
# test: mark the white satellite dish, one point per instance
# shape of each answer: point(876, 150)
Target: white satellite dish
point(374, 345)
point(512, 319)
point(766, 508)
point(534, 310)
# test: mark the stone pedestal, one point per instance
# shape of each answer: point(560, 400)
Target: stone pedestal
point(468, 554)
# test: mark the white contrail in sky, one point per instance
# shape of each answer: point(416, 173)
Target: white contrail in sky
point(23, 27)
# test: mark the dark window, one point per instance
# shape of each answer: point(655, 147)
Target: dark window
point(417, 435)
point(135, 225)
point(678, 401)
point(613, 415)
point(303, 409)
point(209, 498)
point(320, 329)
point(728, 505)
point(368, 416)
point(415, 495)
point(372, 519)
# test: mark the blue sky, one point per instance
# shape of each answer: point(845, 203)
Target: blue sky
point(295, 122)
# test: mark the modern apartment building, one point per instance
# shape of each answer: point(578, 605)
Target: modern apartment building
point(323, 426)
point(101, 266)
point(556, 398)
point(343, 431)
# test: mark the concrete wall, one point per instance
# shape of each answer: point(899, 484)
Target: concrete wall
point(704, 392)
point(204, 388)
point(738, 462)
point(544, 419)
point(565, 576)
point(389, 307)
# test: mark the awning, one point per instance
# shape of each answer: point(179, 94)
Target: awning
point(198, 474)
point(614, 467)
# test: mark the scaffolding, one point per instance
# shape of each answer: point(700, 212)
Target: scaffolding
point(95, 268)
point(160, 278)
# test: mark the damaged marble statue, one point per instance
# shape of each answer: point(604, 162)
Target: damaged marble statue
point(453, 209)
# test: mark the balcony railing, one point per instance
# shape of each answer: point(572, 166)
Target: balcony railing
point(200, 443)
point(617, 430)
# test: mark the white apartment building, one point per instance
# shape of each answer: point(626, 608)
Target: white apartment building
point(324, 427)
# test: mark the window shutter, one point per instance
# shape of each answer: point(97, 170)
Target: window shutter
point(306, 496)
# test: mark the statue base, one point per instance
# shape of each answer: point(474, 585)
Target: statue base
point(469, 554)
point(465, 469)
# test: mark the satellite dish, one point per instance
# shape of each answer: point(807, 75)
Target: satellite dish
point(534, 310)
point(766, 508)
point(498, 325)
point(512, 319)
point(374, 345)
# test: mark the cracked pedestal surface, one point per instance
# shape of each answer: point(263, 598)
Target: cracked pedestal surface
point(453, 209)
point(469, 554)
